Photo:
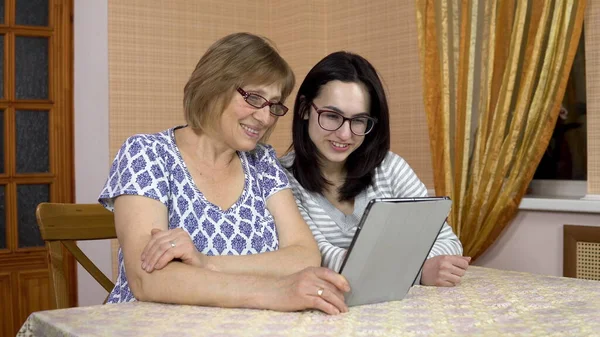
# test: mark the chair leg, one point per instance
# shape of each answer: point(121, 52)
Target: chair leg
point(57, 275)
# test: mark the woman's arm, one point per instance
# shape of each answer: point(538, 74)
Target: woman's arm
point(177, 282)
point(446, 243)
point(297, 247)
point(135, 216)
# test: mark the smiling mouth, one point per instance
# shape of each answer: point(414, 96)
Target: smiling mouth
point(340, 145)
point(250, 130)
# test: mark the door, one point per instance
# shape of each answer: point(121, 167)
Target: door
point(36, 161)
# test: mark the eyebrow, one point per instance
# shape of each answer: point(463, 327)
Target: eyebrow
point(360, 114)
point(277, 99)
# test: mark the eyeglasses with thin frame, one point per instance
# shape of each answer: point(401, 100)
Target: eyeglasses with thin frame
point(259, 102)
point(331, 121)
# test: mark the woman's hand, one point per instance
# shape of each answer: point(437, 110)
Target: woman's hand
point(165, 246)
point(444, 270)
point(312, 288)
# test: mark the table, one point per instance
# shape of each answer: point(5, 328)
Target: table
point(488, 302)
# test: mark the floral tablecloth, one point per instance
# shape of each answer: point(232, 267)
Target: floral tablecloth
point(488, 302)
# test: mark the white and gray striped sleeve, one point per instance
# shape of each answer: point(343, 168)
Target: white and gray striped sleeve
point(331, 255)
point(406, 184)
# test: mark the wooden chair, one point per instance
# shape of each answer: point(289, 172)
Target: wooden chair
point(64, 224)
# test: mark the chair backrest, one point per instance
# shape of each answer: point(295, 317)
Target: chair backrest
point(63, 224)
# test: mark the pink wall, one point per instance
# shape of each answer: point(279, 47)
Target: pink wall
point(534, 242)
point(91, 130)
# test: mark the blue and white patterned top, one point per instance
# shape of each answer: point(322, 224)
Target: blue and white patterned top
point(151, 165)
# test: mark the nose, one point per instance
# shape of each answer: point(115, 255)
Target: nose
point(344, 131)
point(263, 115)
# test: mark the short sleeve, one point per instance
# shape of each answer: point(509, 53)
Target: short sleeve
point(137, 170)
point(272, 176)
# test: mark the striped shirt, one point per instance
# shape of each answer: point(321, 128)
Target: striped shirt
point(333, 230)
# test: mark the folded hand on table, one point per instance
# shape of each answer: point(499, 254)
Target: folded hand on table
point(165, 246)
point(312, 288)
point(444, 270)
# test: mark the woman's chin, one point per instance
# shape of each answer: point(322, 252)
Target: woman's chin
point(336, 158)
point(247, 145)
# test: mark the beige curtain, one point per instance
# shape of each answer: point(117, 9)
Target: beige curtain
point(494, 74)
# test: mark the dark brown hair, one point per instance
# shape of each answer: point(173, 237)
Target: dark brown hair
point(345, 67)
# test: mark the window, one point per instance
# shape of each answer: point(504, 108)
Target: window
point(562, 170)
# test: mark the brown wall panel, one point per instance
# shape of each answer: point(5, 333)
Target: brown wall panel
point(6, 306)
point(34, 287)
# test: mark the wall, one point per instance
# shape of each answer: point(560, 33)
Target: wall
point(91, 130)
point(306, 31)
point(385, 32)
point(299, 28)
point(154, 46)
point(534, 242)
point(592, 63)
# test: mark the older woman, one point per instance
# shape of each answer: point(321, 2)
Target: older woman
point(204, 213)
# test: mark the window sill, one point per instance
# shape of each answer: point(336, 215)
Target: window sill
point(587, 204)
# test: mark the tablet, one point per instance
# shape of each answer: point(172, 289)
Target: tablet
point(392, 241)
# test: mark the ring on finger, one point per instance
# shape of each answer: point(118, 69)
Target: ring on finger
point(320, 291)
point(172, 243)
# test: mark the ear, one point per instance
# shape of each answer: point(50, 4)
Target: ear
point(304, 108)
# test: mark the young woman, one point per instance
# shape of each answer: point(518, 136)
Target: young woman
point(341, 160)
point(203, 212)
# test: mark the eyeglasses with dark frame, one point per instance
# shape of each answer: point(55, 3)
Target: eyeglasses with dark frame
point(331, 121)
point(259, 102)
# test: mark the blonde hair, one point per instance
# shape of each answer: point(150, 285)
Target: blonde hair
point(233, 61)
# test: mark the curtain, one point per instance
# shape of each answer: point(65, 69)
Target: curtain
point(494, 75)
